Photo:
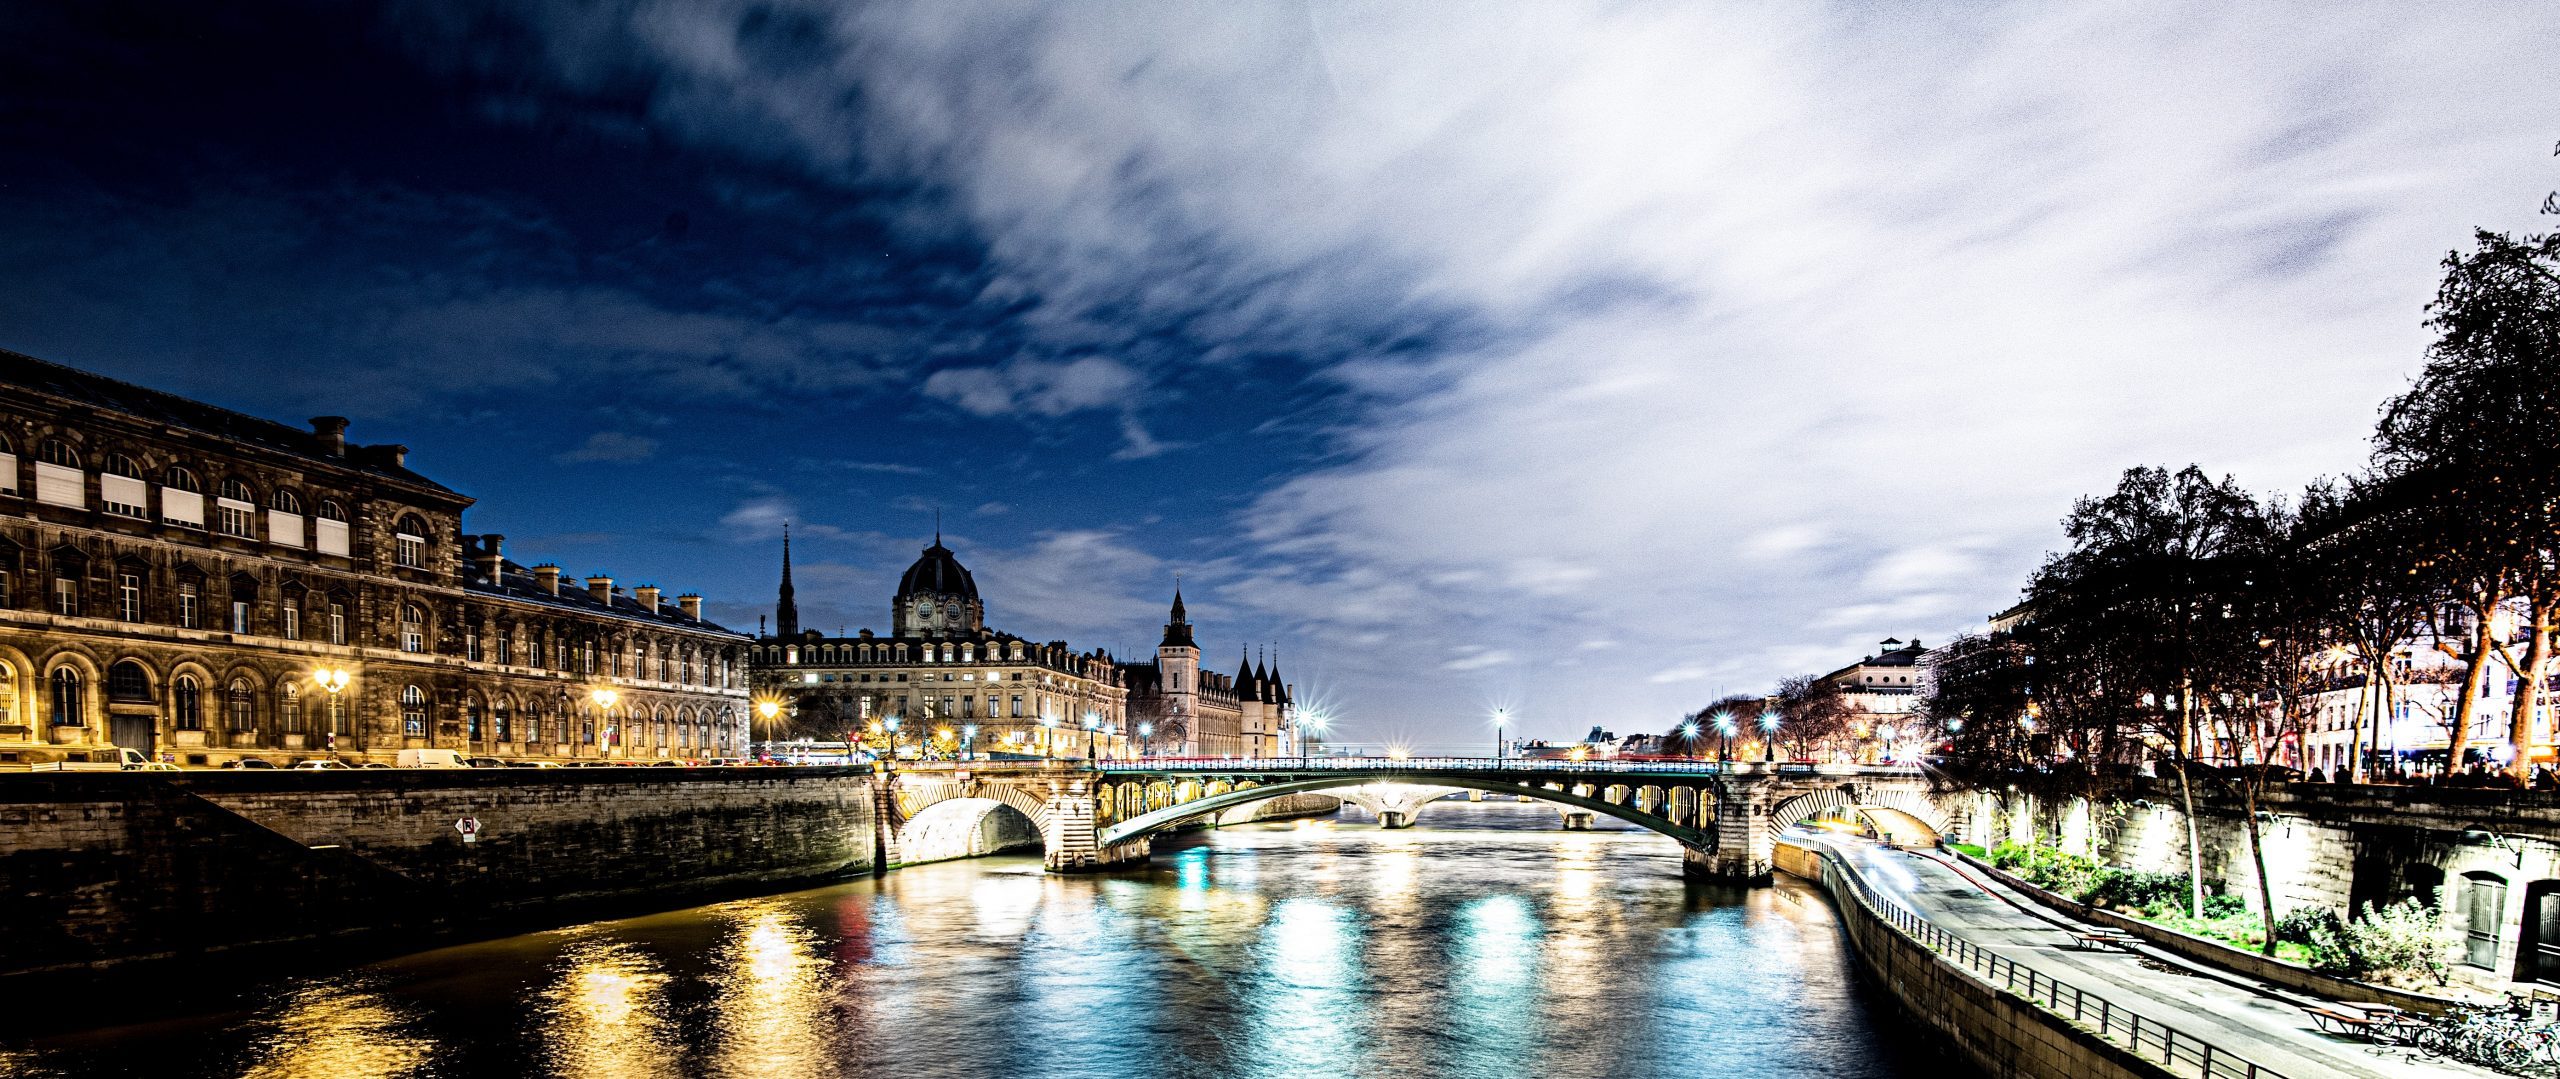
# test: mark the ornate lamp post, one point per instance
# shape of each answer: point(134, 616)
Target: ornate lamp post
point(1725, 730)
point(1146, 738)
point(1689, 739)
point(1500, 717)
point(332, 679)
point(891, 725)
point(1048, 736)
point(604, 699)
point(968, 740)
point(1769, 734)
point(766, 709)
point(1092, 727)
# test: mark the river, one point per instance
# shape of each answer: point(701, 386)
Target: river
point(1482, 943)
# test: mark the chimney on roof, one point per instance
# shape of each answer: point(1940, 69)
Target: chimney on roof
point(396, 456)
point(548, 576)
point(647, 594)
point(489, 558)
point(691, 604)
point(600, 588)
point(331, 433)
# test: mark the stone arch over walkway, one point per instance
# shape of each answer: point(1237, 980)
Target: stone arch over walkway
point(966, 827)
point(1918, 807)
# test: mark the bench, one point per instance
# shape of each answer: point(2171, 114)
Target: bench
point(2099, 940)
point(2371, 1022)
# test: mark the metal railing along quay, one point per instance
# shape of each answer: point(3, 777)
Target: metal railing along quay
point(2179, 1051)
point(1531, 765)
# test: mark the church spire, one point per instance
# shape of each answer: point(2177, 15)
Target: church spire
point(786, 611)
point(1177, 631)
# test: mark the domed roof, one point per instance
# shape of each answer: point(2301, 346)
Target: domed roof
point(937, 573)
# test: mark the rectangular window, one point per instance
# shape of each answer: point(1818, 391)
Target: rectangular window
point(411, 638)
point(61, 486)
point(66, 597)
point(1017, 706)
point(471, 646)
point(506, 646)
point(292, 620)
point(8, 473)
point(125, 496)
point(129, 597)
point(181, 507)
point(409, 550)
point(239, 616)
point(236, 518)
point(329, 537)
point(187, 614)
point(337, 623)
point(284, 529)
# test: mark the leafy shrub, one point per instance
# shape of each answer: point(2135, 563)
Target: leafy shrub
point(2401, 942)
point(2136, 890)
point(2322, 935)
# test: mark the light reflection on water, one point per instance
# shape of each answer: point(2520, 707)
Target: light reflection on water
point(1482, 942)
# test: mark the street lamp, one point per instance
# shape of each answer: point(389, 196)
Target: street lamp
point(604, 699)
point(1092, 725)
point(1146, 738)
point(766, 709)
point(1500, 717)
point(968, 740)
point(891, 725)
point(1689, 739)
point(1306, 722)
point(1048, 736)
point(1769, 733)
point(332, 679)
point(1725, 730)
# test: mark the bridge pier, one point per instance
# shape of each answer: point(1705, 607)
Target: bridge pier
point(1069, 846)
point(1577, 820)
point(1395, 818)
point(1746, 848)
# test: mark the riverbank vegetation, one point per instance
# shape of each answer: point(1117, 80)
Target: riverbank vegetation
point(2401, 944)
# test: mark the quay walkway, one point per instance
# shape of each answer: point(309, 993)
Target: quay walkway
point(2212, 1022)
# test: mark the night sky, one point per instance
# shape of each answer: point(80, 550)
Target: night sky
point(1588, 361)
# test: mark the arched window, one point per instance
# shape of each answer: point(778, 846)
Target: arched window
point(413, 711)
point(186, 701)
point(127, 681)
point(68, 703)
point(329, 531)
point(241, 705)
point(121, 490)
point(498, 721)
point(471, 719)
point(286, 502)
point(409, 541)
point(413, 628)
point(236, 510)
point(181, 498)
point(179, 479)
point(54, 451)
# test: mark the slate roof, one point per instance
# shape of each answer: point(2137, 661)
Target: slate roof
point(517, 582)
point(161, 407)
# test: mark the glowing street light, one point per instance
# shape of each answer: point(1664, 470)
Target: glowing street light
point(1146, 738)
point(1500, 717)
point(1048, 735)
point(1306, 722)
point(604, 699)
point(1092, 724)
point(1725, 730)
point(968, 739)
point(1688, 739)
point(1769, 726)
point(332, 679)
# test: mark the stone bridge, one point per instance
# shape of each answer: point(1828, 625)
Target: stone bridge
point(1089, 816)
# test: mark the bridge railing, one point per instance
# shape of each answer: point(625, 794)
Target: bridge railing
point(1527, 766)
point(2178, 1050)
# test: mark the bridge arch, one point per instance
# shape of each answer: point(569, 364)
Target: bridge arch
point(1144, 823)
point(966, 827)
point(1918, 806)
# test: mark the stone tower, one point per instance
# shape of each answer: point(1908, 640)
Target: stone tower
point(1178, 663)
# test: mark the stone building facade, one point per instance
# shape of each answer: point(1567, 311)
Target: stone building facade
point(180, 579)
point(1182, 710)
point(941, 681)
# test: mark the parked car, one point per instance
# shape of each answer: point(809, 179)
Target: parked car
point(431, 758)
point(249, 762)
point(102, 760)
point(533, 764)
point(321, 764)
point(483, 762)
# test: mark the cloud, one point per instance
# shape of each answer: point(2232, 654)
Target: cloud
point(612, 446)
point(992, 509)
point(1732, 331)
point(1036, 387)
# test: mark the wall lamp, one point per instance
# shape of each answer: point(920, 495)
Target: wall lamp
point(2495, 841)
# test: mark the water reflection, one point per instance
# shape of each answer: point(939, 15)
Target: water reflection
point(1483, 941)
point(607, 1016)
point(337, 1029)
point(773, 1008)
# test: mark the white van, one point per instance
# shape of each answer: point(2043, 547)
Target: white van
point(431, 758)
point(105, 760)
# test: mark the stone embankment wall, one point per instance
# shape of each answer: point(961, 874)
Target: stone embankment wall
point(99, 869)
point(1998, 1032)
point(2340, 847)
